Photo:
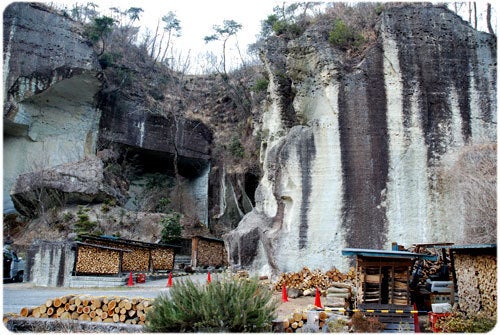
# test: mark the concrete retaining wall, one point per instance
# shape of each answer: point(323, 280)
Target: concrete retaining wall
point(50, 263)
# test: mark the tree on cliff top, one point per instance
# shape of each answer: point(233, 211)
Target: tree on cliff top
point(224, 32)
point(99, 30)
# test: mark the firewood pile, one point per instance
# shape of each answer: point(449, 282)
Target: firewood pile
point(136, 260)
point(97, 260)
point(97, 309)
point(430, 268)
point(296, 321)
point(97, 256)
point(307, 279)
point(162, 259)
point(476, 283)
point(210, 253)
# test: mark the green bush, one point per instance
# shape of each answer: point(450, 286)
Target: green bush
point(260, 85)
point(171, 232)
point(344, 36)
point(221, 306)
point(460, 323)
point(83, 225)
point(236, 148)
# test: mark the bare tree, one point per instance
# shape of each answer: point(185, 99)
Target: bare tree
point(488, 19)
point(473, 179)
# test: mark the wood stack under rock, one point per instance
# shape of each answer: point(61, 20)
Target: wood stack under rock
point(307, 279)
point(97, 260)
point(136, 260)
point(208, 252)
point(162, 259)
point(476, 279)
point(112, 256)
point(97, 309)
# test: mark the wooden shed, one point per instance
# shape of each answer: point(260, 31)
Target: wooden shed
point(475, 277)
point(208, 251)
point(108, 255)
point(382, 277)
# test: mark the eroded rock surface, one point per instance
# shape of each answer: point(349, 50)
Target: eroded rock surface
point(50, 80)
point(356, 162)
point(81, 183)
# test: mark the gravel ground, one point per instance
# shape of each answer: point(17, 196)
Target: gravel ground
point(19, 295)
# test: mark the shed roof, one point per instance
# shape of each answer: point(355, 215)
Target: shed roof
point(386, 254)
point(209, 238)
point(107, 238)
point(474, 248)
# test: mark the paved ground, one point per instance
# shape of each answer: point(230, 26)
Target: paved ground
point(19, 295)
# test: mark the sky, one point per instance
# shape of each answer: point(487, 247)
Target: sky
point(197, 19)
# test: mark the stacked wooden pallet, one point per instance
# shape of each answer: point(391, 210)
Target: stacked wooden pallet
point(97, 309)
point(398, 289)
point(372, 288)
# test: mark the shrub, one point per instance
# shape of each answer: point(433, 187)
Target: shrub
point(344, 36)
point(221, 306)
point(362, 324)
point(172, 229)
point(260, 85)
point(460, 323)
point(83, 225)
point(236, 148)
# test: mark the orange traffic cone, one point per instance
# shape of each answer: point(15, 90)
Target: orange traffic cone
point(130, 280)
point(208, 278)
point(169, 282)
point(284, 296)
point(317, 300)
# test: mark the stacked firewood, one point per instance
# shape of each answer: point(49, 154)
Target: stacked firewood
point(306, 279)
point(476, 283)
point(136, 260)
point(429, 268)
point(97, 260)
point(297, 320)
point(162, 259)
point(97, 309)
point(211, 253)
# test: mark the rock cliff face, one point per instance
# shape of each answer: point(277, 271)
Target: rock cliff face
point(353, 151)
point(50, 79)
point(58, 115)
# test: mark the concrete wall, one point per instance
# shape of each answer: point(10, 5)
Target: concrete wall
point(50, 263)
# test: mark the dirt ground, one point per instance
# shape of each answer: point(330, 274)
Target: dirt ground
point(298, 304)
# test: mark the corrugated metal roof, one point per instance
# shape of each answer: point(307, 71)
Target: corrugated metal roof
point(474, 247)
point(386, 253)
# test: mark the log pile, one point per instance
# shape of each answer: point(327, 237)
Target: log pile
point(97, 309)
point(296, 321)
point(97, 260)
point(476, 283)
point(430, 268)
point(136, 260)
point(307, 279)
point(210, 253)
point(162, 259)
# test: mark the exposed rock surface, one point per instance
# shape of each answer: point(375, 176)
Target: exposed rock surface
point(356, 161)
point(126, 123)
point(81, 182)
point(50, 79)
